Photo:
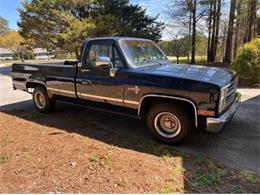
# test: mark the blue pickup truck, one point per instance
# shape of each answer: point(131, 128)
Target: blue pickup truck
point(132, 76)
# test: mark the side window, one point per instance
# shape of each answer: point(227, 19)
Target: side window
point(97, 50)
point(104, 50)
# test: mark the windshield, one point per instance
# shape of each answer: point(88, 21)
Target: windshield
point(142, 53)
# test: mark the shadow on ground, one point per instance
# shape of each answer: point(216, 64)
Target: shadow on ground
point(237, 143)
point(237, 146)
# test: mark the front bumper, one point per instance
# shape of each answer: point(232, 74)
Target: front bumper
point(214, 125)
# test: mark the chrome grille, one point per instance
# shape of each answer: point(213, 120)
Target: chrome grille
point(231, 93)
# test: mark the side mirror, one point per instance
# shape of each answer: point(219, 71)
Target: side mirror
point(103, 61)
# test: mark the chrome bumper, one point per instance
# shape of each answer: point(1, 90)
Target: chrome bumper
point(214, 125)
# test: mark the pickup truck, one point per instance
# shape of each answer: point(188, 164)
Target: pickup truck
point(133, 76)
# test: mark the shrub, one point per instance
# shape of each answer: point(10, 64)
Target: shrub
point(247, 62)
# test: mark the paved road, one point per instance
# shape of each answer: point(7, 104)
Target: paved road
point(237, 146)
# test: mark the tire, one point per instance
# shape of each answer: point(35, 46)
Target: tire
point(169, 123)
point(41, 100)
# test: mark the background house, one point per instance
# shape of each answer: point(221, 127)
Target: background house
point(41, 53)
point(6, 54)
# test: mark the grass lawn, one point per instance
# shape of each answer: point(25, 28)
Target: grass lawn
point(184, 60)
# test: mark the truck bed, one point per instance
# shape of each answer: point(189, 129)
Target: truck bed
point(49, 74)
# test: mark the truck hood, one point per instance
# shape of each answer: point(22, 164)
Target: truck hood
point(212, 75)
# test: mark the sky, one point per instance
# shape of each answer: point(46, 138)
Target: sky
point(8, 9)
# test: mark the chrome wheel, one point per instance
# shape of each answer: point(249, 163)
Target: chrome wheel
point(39, 100)
point(167, 124)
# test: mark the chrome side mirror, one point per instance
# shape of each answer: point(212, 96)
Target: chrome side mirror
point(103, 61)
point(112, 72)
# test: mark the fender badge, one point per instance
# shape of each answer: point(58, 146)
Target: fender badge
point(136, 89)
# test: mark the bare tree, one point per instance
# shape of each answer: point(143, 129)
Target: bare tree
point(228, 51)
point(237, 27)
point(210, 30)
point(214, 49)
point(188, 13)
point(193, 40)
point(214, 18)
point(251, 17)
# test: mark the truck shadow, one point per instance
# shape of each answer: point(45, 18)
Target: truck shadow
point(230, 146)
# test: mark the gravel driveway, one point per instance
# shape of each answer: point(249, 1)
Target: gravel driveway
point(237, 146)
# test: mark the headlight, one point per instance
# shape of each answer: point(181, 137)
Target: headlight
point(222, 98)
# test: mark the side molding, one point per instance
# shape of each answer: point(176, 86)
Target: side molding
point(170, 97)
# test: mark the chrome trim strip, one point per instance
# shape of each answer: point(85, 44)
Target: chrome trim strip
point(53, 89)
point(170, 97)
point(66, 91)
point(51, 65)
point(94, 96)
point(102, 97)
point(131, 102)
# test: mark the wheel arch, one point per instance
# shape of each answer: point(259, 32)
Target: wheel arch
point(33, 84)
point(147, 101)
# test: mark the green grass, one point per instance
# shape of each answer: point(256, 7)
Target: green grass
point(204, 161)
point(101, 160)
point(3, 158)
point(184, 60)
point(249, 178)
point(38, 134)
point(236, 190)
point(208, 173)
point(167, 189)
point(6, 141)
point(207, 178)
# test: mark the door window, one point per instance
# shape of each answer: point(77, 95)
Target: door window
point(104, 50)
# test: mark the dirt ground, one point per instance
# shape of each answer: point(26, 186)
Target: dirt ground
point(52, 153)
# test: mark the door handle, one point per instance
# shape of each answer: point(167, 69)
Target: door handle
point(86, 82)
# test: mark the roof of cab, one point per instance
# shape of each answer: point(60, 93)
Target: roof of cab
point(117, 38)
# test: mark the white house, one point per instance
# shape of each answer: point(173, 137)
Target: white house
point(41, 54)
point(6, 54)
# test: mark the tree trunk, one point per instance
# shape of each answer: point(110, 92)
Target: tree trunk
point(251, 16)
point(189, 37)
point(193, 52)
point(209, 33)
point(251, 19)
point(223, 41)
point(214, 49)
point(177, 57)
point(228, 52)
point(77, 53)
point(237, 27)
point(212, 46)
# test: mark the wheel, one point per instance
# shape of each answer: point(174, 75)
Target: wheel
point(169, 123)
point(42, 101)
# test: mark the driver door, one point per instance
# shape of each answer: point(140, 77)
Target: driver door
point(94, 81)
